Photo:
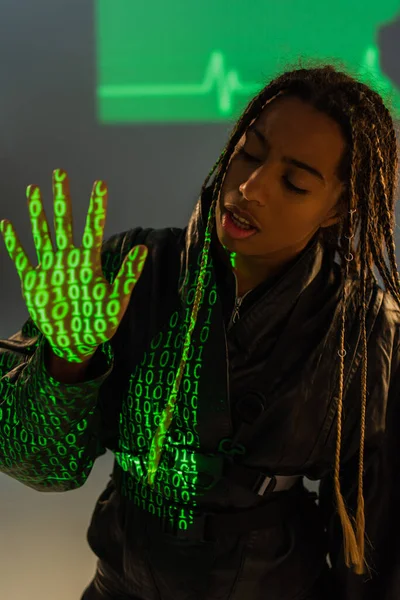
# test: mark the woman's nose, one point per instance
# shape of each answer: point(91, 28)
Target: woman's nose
point(253, 189)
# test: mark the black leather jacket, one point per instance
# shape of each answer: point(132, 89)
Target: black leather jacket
point(279, 359)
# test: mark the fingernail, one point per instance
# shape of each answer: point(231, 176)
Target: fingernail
point(101, 188)
point(59, 175)
point(30, 190)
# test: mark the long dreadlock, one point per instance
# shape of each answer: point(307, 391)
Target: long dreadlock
point(368, 170)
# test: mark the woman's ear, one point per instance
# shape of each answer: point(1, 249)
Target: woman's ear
point(329, 221)
point(334, 215)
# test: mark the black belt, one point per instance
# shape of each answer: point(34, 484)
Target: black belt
point(210, 525)
point(214, 467)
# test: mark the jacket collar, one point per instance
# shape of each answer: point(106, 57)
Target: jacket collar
point(267, 308)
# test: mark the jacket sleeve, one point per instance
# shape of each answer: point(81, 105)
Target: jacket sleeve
point(382, 514)
point(50, 431)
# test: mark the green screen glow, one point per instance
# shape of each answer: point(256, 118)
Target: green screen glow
point(202, 62)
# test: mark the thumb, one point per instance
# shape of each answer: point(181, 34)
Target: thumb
point(130, 271)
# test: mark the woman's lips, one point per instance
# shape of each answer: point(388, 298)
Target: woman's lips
point(244, 214)
point(233, 230)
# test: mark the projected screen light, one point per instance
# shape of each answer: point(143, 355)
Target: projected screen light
point(177, 61)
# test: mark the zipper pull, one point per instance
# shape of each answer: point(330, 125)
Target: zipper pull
point(235, 315)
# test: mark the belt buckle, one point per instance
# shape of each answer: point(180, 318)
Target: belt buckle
point(195, 531)
point(262, 486)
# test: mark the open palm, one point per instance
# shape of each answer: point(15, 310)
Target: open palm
point(67, 295)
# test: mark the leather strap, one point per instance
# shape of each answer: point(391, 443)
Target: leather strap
point(260, 482)
point(207, 526)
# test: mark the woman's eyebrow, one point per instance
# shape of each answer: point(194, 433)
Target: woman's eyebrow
point(287, 159)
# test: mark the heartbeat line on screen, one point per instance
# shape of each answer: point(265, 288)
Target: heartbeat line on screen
point(227, 83)
point(217, 77)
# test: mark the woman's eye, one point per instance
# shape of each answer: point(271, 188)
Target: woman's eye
point(292, 187)
point(242, 152)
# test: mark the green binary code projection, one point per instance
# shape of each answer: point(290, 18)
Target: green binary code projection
point(182, 61)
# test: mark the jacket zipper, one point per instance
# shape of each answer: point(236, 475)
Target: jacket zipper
point(238, 302)
point(235, 314)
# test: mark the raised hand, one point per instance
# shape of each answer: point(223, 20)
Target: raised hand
point(67, 295)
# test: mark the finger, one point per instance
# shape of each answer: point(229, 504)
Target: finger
point(62, 210)
point(14, 248)
point(40, 226)
point(130, 272)
point(95, 221)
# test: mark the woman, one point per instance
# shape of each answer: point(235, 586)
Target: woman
point(256, 349)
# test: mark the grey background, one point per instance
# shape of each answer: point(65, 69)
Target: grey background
point(47, 120)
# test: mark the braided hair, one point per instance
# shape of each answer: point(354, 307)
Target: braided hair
point(368, 170)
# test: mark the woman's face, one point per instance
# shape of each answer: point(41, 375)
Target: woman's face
point(283, 173)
